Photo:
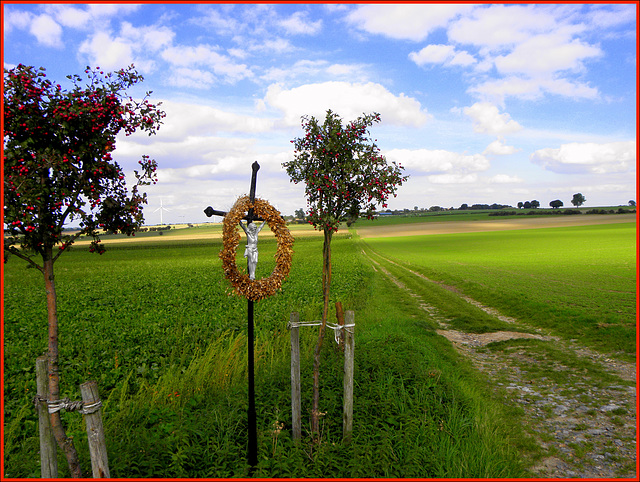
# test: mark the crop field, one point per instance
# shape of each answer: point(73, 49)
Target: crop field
point(576, 281)
point(153, 322)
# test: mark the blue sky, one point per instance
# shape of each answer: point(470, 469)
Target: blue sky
point(482, 103)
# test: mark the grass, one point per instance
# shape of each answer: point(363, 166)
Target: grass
point(152, 322)
point(576, 282)
point(446, 306)
point(545, 361)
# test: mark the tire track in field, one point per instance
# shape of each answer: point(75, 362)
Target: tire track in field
point(455, 336)
point(585, 427)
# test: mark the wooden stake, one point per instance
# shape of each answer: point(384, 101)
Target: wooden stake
point(340, 317)
point(95, 432)
point(296, 410)
point(48, 452)
point(349, 342)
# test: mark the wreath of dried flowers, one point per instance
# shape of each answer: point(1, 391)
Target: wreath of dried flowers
point(255, 290)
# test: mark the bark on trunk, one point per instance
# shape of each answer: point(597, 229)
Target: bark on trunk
point(326, 284)
point(64, 442)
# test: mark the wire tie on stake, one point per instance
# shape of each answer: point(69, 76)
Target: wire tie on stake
point(73, 406)
point(91, 407)
point(336, 328)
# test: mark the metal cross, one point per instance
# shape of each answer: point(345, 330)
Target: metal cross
point(252, 449)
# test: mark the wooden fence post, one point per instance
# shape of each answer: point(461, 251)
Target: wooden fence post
point(347, 416)
point(48, 450)
point(95, 431)
point(296, 410)
point(340, 317)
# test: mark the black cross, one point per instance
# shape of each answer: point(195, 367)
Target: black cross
point(252, 449)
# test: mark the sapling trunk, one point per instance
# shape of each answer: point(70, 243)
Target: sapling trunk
point(326, 284)
point(65, 443)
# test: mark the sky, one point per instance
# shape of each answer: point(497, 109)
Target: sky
point(481, 103)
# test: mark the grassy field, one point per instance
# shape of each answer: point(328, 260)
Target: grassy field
point(577, 282)
point(472, 215)
point(153, 323)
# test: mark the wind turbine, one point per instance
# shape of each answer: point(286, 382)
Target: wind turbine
point(161, 208)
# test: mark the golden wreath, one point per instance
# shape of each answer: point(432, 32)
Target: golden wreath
point(255, 290)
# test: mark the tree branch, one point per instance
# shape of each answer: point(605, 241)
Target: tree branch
point(66, 244)
point(13, 250)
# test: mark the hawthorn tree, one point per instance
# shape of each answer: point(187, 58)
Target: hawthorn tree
point(58, 168)
point(345, 177)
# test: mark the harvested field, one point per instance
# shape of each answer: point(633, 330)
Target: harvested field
point(524, 222)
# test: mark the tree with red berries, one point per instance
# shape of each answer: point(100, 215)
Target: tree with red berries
point(345, 177)
point(58, 169)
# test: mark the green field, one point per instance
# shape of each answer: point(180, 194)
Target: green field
point(153, 323)
point(577, 282)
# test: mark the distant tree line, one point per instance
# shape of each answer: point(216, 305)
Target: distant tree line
point(500, 209)
point(154, 228)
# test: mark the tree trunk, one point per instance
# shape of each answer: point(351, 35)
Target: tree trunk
point(326, 284)
point(64, 442)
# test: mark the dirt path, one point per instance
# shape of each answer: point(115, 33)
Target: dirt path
point(585, 427)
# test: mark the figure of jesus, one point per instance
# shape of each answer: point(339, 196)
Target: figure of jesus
point(251, 250)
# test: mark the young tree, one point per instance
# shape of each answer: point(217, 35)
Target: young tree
point(58, 168)
point(345, 177)
point(578, 200)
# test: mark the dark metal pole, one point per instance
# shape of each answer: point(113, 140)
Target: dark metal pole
point(252, 428)
point(252, 449)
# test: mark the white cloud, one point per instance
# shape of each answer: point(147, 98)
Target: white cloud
point(104, 9)
point(191, 78)
point(349, 100)
point(438, 161)
point(534, 49)
point(560, 53)
point(612, 15)
point(306, 70)
point(205, 55)
point(136, 45)
point(487, 119)
point(149, 39)
point(213, 19)
point(499, 148)
point(504, 179)
point(588, 157)
point(16, 19)
point(194, 120)
point(498, 26)
point(277, 45)
point(402, 21)
point(47, 31)
point(90, 17)
point(70, 16)
point(107, 52)
point(532, 89)
point(442, 54)
point(299, 24)
point(454, 178)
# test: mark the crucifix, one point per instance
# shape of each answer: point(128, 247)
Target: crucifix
point(251, 253)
